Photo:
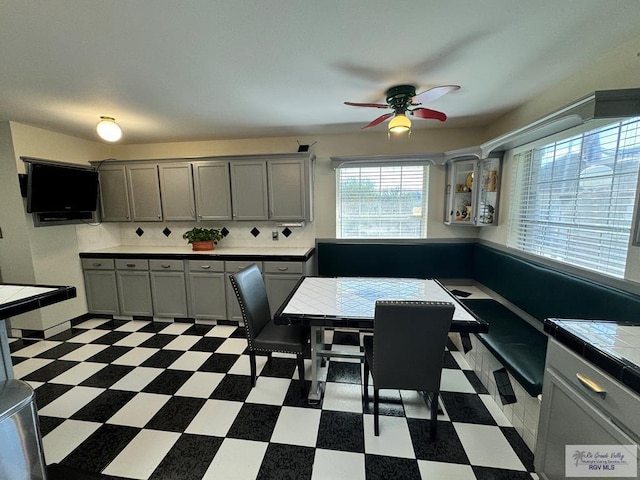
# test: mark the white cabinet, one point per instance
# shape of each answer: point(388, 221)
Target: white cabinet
point(212, 190)
point(114, 199)
point(572, 413)
point(176, 188)
point(473, 192)
point(144, 192)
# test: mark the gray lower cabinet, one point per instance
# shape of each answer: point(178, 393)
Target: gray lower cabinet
point(206, 289)
point(168, 288)
point(233, 308)
point(280, 278)
point(573, 414)
point(134, 287)
point(100, 285)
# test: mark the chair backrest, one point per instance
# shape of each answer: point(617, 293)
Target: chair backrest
point(409, 338)
point(251, 293)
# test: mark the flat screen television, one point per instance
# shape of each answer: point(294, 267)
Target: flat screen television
point(61, 188)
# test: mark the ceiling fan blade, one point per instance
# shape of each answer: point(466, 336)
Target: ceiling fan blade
point(374, 105)
point(428, 113)
point(433, 93)
point(379, 120)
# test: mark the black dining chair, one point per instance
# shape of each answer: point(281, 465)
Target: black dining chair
point(406, 351)
point(262, 334)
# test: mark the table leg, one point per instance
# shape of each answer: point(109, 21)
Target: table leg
point(317, 344)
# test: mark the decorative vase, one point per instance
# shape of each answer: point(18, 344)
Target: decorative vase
point(202, 245)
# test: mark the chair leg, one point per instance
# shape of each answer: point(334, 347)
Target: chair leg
point(300, 359)
point(366, 383)
point(434, 416)
point(376, 424)
point(252, 362)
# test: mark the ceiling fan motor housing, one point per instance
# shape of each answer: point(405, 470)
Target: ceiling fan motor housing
point(399, 97)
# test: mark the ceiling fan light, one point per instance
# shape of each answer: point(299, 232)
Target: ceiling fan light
point(108, 129)
point(400, 124)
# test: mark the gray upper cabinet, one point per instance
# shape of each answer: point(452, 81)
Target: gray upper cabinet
point(144, 191)
point(114, 200)
point(289, 189)
point(249, 190)
point(212, 190)
point(176, 187)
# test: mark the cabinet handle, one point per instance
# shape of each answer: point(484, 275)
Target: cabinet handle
point(205, 267)
point(97, 264)
point(131, 265)
point(283, 269)
point(165, 266)
point(591, 385)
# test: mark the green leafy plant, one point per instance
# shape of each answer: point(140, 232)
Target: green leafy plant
point(202, 235)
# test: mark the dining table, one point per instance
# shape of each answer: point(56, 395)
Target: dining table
point(349, 303)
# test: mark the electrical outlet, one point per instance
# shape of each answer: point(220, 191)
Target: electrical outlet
point(274, 235)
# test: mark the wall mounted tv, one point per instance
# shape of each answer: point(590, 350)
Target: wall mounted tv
point(61, 190)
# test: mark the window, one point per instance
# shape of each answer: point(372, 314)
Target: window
point(382, 201)
point(574, 198)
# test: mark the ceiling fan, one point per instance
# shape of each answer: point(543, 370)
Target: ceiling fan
point(403, 100)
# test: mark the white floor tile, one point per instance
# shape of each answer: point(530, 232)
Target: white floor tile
point(200, 385)
point(394, 439)
point(137, 379)
point(486, 446)
point(461, 360)
point(221, 331)
point(134, 339)
point(182, 342)
point(416, 407)
point(132, 326)
point(344, 397)
point(135, 356)
point(36, 348)
point(297, 426)
point(333, 465)
point(61, 441)
point(243, 366)
point(88, 336)
point(92, 323)
point(142, 455)
point(236, 460)
point(214, 418)
point(455, 381)
point(450, 471)
point(84, 352)
point(29, 366)
point(70, 402)
point(78, 373)
point(139, 410)
point(190, 361)
point(495, 411)
point(269, 390)
point(353, 349)
point(234, 346)
point(176, 328)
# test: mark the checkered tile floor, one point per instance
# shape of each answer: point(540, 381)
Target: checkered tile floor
point(136, 399)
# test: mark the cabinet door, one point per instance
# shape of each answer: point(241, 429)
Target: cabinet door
point(102, 292)
point(213, 190)
point(207, 298)
point(134, 292)
point(460, 198)
point(176, 187)
point(279, 287)
point(114, 200)
point(287, 189)
point(488, 192)
point(249, 190)
point(144, 190)
point(169, 294)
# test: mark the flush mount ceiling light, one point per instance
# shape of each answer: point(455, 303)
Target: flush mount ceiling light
point(400, 124)
point(108, 129)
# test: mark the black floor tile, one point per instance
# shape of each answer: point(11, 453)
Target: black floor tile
point(284, 462)
point(104, 406)
point(379, 467)
point(59, 350)
point(219, 363)
point(207, 344)
point(346, 338)
point(487, 473)
point(162, 358)
point(153, 327)
point(517, 443)
point(466, 407)
point(449, 361)
point(50, 371)
point(446, 448)
point(20, 344)
point(48, 424)
point(255, 422)
point(109, 354)
point(344, 372)
point(188, 459)
point(280, 368)
point(341, 431)
point(297, 396)
point(475, 382)
point(111, 338)
point(176, 414)
point(239, 333)
point(197, 329)
point(106, 377)
point(158, 341)
point(235, 388)
point(390, 403)
point(47, 393)
point(168, 382)
point(64, 336)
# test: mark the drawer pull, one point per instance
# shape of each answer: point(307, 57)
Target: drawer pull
point(131, 265)
point(97, 264)
point(205, 267)
point(283, 269)
point(165, 266)
point(591, 385)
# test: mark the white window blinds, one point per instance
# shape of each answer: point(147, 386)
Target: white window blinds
point(381, 202)
point(574, 198)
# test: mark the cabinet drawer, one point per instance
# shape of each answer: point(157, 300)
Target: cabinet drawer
point(282, 267)
point(97, 264)
point(206, 266)
point(167, 265)
point(234, 266)
point(620, 403)
point(132, 264)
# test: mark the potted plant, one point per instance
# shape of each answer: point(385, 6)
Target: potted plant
point(202, 238)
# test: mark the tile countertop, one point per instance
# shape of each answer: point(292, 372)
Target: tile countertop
point(17, 299)
point(223, 253)
point(612, 346)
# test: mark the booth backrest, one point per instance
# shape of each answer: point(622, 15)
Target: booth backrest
point(414, 260)
point(545, 292)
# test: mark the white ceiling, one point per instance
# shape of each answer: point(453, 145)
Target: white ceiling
point(172, 70)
